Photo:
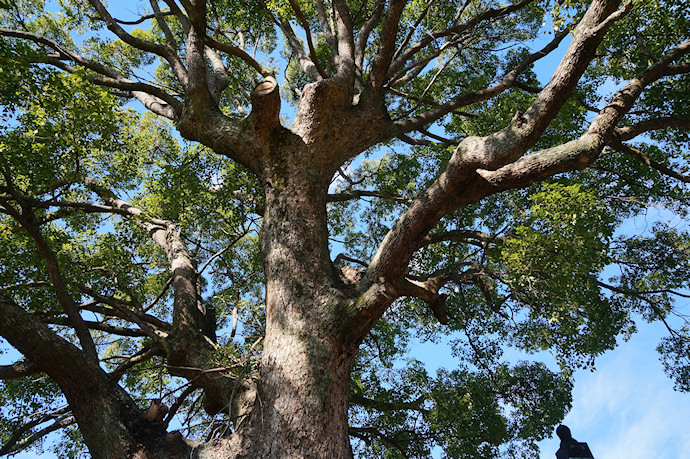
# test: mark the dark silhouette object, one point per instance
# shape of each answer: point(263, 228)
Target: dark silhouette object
point(571, 448)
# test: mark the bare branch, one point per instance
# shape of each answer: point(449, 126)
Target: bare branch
point(414, 142)
point(125, 211)
point(158, 297)
point(100, 326)
point(327, 28)
point(357, 194)
point(171, 43)
point(307, 32)
point(178, 403)
point(184, 20)
point(222, 251)
point(152, 326)
point(237, 52)
point(144, 18)
point(342, 256)
point(414, 26)
point(629, 132)
point(604, 123)
point(345, 60)
point(384, 56)
point(15, 443)
point(411, 71)
point(642, 295)
point(122, 207)
point(306, 64)
point(18, 370)
point(491, 13)
point(613, 17)
point(144, 354)
point(363, 35)
point(506, 82)
point(428, 291)
point(365, 433)
point(478, 238)
point(677, 69)
point(72, 370)
point(167, 53)
point(637, 154)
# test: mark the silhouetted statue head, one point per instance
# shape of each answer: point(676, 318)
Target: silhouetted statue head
point(563, 432)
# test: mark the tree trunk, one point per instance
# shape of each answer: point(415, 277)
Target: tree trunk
point(301, 403)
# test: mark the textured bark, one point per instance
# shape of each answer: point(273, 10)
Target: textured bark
point(301, 408)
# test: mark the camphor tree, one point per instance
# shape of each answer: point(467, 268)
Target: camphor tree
point(169, 239)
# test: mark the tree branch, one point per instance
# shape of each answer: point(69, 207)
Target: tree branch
point(104, 327)
point(490, 13)
point(154, 328)
point(237, 52)
point(358, 194)
point(637, 154)
point(365, 402)
point(477, 238)
point(326, 27)
point(345, 60)
point(604, 123)
point(384, 56)
point(168, 53)
point(418, 21)
point(307, 32)
point(15, 443)
point(629, 132)
point(365, 434)
point(462, 100)
point(144, 354)
point(154, 98)
point(363, 36)
point(186, 345)
point(306, 64)
point(28, 222)
point(427, 291)
point(18, 370)
point(483, 166)
point(95, 401)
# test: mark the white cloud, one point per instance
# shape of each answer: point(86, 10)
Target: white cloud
point(627, 408)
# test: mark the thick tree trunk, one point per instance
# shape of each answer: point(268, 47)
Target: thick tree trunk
point(301, 404)
point(300, 407)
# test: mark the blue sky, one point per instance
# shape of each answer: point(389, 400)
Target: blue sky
point(627, 408)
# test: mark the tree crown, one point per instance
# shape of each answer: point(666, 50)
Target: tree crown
point(457, 171)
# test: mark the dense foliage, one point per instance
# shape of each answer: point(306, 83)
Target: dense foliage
point(90, 179)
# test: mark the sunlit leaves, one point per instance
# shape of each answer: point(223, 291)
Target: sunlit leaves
point(46, 148)
point(553, 260)
point(562, 238)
